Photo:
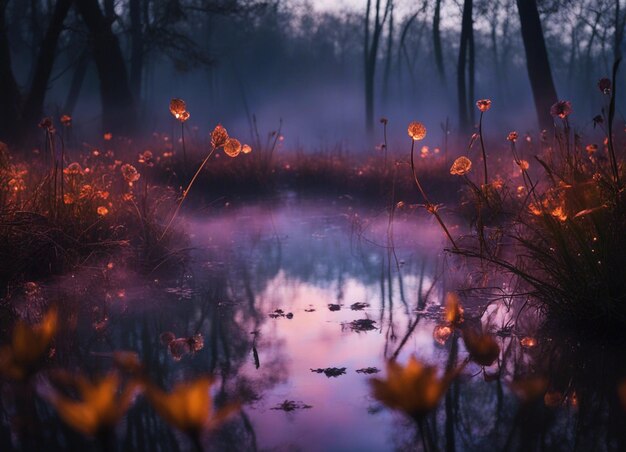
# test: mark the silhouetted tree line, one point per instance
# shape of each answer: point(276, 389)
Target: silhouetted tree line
point(247, 51)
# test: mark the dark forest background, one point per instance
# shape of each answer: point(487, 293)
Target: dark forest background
point(113, 65)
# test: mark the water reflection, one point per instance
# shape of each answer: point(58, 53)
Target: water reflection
point(293, 309)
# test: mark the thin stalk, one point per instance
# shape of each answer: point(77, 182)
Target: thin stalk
point(429, 206)
point(482, 146)
point(614, 166)
point(385, 143)
point(186, 192)
point(182, 134)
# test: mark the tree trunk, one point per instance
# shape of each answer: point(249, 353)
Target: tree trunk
point(33, 105)
point(137, 47)
point(9, 91)
point(437, 48)
point(466, 43)
point(76, 84)
point(118, 107)
point(389, 56)
point(537, 62)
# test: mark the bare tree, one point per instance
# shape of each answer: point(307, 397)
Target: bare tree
point(437, 48)
point(370, 47)
point(537, 62)
point(466, 60)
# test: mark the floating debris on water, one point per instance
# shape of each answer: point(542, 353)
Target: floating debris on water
point(334, 307)
point(361, 325)
point(292, 405)
point(368, 370)
point(358, 306)
point(330, 371)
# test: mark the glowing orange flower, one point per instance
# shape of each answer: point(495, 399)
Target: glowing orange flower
point(219, 136)
point(528, 342)
point(108, 136)
point(102, 211)
point(562, 109)
point(177, 108)
point(414, 390)
point(73, 169)
point(442, 333)
point(68, 199)
point(591, 149)
point(454, 310)
point(246, 149)
point(461, 166)
point(559, 213)
point(100, 407)
point(66, 120)
point(232, 147)
point(523, 164)
point(483, 105)
point(29, 344)
point(130, 173)
point(417, 131)
point(189, 407)
point(146, 157)
point(512, 136)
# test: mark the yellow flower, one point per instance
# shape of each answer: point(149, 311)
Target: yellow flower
point(29, 344)
point(102, 404)
point(415, 389)
point(417, 131)
point(219, 136)
point(189, 407)
point(483, 105)
point(232, 147)
point(461, 166)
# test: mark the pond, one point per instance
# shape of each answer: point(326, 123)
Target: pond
point(293, 307)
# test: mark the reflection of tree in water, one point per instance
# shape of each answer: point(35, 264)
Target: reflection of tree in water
point(107, 311)
point(566, 398)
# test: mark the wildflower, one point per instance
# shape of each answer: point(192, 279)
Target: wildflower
point(442, 333)
point(29, 344)
point(415, 389)
point(177, 108)
point(246, 149)
point(512, 136)
point(184, 116)
point(604, 85)
point(384, 120)
point(417, 131)
point(454, 310)
point(591, 149)
point(146, 157)
point(130, 173)
point(424, 152)
point(66, 120)
point(99, 408)
point(232, 147)
point(46, 124)
point(108, 136)
point(189, 406)
point(68, 199)
point(102, 211)
point(73, 169)
point(461, 166)
point(523, 164)
point(559, 213)
point(219, 136)
point(483, 105)
point(528, 342)
point(535, 209)
point(562, 109)
point(482, 348)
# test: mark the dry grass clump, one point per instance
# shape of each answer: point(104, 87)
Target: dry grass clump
point(563, 235)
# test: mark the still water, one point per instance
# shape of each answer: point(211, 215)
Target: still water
point(273, 294)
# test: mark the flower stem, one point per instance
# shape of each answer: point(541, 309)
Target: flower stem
point(482, 146)
point(186, 192)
